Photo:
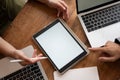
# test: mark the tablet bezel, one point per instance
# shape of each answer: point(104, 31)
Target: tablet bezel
point(76, 59)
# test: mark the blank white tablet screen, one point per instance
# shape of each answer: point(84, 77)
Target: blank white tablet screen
point(59, 45)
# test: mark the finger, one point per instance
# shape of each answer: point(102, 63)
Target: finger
point(108, 42)
point(64, 4)
point(34, 60)
point(40, 55)
point(58, 14)
point(65, 12)
point(31, 61)
point(34, 53)
point(98, 49)
point(107, 59)
point(60, 7)
point(94, 49)
point(65, 15)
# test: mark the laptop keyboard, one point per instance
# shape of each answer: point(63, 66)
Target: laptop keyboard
point(102, 18)
point(30, 72)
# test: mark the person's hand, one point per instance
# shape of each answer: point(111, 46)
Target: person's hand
point(60, 5)
point(110, 52)
point(18, 54)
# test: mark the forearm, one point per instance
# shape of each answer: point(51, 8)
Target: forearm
point(6, 48)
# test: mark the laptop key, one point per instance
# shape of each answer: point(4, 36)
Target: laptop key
point(107, 24)
point(32, 72)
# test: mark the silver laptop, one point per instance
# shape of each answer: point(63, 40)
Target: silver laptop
point(14, 71)
point(100, 20)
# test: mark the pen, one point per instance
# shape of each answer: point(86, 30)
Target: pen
point(19, 60)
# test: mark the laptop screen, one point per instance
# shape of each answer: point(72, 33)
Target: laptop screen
point(83, 5)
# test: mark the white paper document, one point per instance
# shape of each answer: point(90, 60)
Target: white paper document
point(89, 73)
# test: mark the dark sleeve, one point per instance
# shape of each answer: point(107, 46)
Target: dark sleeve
point(8, 11)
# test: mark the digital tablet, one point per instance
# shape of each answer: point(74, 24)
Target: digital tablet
point(62, 47)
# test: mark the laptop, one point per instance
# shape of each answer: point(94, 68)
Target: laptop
point(100, 20)
point(14, 71)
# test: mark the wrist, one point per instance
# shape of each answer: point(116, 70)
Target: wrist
point(14, 54)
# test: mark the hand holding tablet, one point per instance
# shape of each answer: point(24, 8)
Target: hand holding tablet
point(62, 47)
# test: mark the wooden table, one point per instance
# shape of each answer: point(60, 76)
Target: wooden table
point(34, 16)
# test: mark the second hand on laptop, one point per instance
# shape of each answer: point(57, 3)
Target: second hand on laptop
point(19, 60)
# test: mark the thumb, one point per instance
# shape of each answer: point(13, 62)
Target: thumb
point(107, 59)
point(34, 53)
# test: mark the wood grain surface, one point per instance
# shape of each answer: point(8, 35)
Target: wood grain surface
point(35, 16)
